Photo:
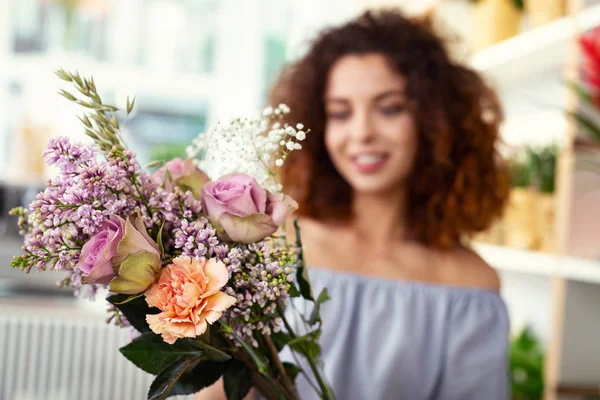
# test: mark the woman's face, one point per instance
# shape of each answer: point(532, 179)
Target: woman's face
point(370, 135)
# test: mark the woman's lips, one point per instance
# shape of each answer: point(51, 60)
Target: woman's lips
point(369, 163)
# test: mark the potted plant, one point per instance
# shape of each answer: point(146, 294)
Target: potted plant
point(519, 221)
point(543, 11)
point(526, 357)
point(543, 164)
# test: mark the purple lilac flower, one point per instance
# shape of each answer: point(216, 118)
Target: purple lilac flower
point(260, 277)
point(66, 155)
point(75, 204)
point(196, 238)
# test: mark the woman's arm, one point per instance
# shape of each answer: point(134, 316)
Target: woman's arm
point(216, 392)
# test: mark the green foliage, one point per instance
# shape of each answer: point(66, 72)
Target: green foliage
point(585, 121)
point(100, 121)
point(526, 366)
point(520, 172)
point(186, 366)
point(543, 167)
point(150, 353)
point(520, 4)
point(166, 379)
point(201, 374)
point(237, 380)
point(134, 309)
point(535, 168)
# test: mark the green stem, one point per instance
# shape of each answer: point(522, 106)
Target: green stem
point(142, 198)
point(325, 391)
point(269, 387)
point(287, 383)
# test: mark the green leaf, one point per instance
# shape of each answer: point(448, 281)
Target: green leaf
point(302, 272)
point(200, 375)
point(150, 353)
point(259, 359)
point(130, 298)
point(166, 379)
point(308, 349)
point(581, 92)
point(292, 370)
point(210, 353)
point(153, 164)
point(159, 239)
point(307, 344)
point(130, 105)
point(293, 291)
point(587, 123)
point(237, 380)
point(315, 316)
point(135, 310)
point(304, 282)
point(323, 296)
point(280, 339)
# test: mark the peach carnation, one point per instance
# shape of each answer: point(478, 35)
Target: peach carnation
point(189, 295)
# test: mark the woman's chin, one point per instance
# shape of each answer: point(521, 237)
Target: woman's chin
point(374, 187)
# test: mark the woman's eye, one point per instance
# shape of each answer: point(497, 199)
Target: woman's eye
point(340, 115)
point(392, 110)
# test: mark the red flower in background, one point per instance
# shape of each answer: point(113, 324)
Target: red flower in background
point(590, 47)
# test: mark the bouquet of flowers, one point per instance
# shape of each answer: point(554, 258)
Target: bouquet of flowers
point(192, 255)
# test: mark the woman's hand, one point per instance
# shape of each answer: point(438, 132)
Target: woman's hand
point(216, 392)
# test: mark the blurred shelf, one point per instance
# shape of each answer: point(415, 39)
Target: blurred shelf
point(541, 264)
point(578, 391)
point(121, 78)
point(20, 182)
point(542, 128)
point(533, 51)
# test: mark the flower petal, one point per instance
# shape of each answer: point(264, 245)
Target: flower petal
point(212, 316)
point(280, 207)
point(135, 240)
point(102, 274)
point(217, 275)
point(249, 229)
point(136, 273)
point(219, 302)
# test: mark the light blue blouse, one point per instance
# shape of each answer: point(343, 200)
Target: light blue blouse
point(385, 340)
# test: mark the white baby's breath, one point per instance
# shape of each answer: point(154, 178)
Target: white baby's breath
point(253, 146)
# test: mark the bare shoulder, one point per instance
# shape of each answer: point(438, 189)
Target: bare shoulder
point(468, 268)
point(309, 228)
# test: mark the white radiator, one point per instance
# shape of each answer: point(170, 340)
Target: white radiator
point(60, 357)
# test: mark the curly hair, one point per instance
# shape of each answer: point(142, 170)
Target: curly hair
point(459, 184)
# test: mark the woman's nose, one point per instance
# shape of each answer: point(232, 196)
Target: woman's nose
point(362, 127)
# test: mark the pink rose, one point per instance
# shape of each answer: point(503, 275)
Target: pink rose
point(188, 293)
point(242, 211)
point(121, 254)
point(96, 256)
point(182, 174)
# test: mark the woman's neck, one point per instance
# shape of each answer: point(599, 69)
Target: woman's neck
point(380, 218)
